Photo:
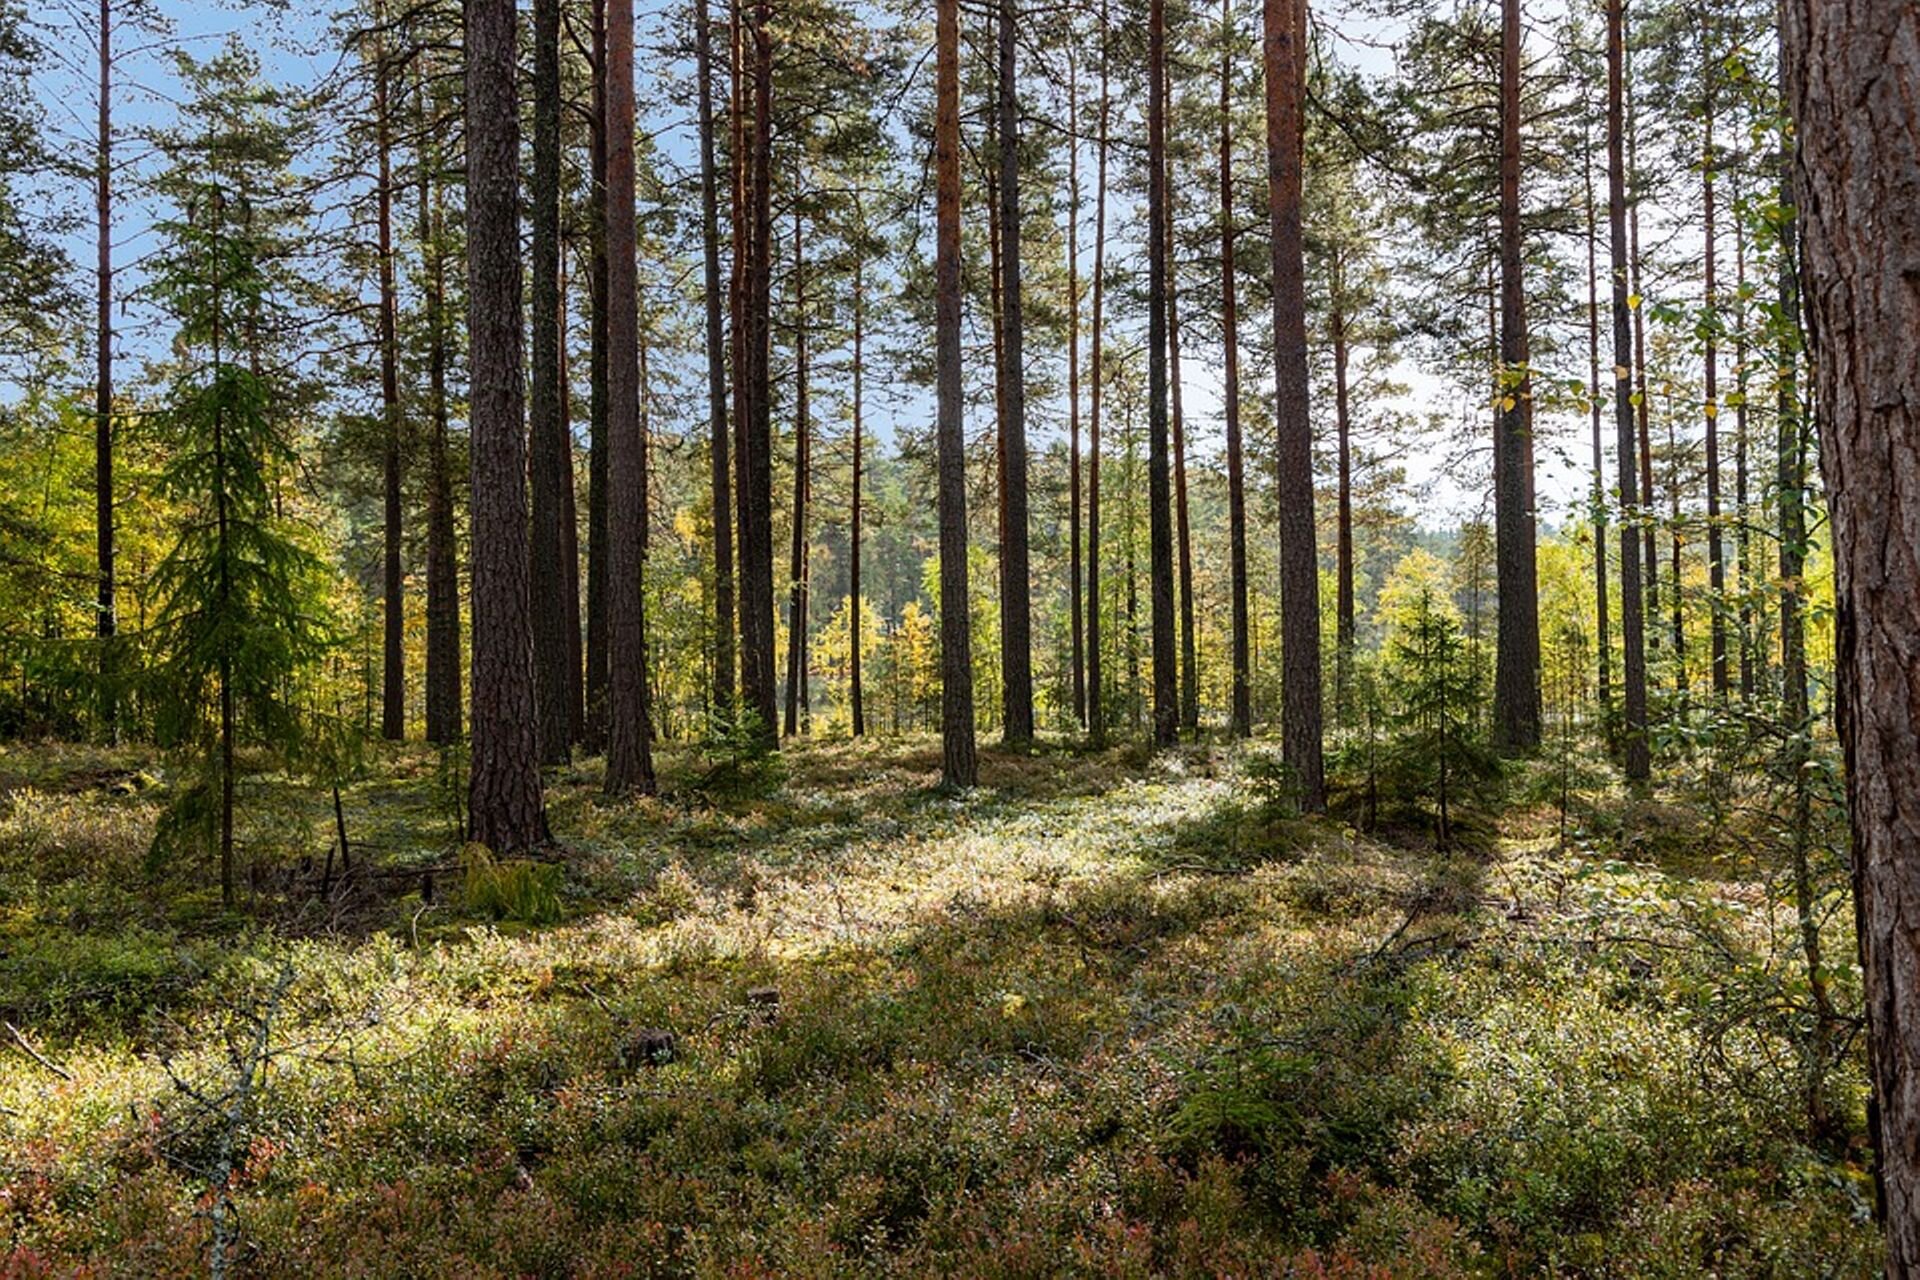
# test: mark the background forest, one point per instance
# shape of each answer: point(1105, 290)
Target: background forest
point(512, 519)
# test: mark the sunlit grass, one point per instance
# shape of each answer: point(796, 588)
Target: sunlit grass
point(1108, 1014)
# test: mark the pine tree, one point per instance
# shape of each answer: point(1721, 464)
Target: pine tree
point(505, 809)
point(959, 767)
point(1285, 60)
point(629, 721)
point(1852, 70)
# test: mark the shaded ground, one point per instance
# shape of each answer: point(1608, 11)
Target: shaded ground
point(1105, 1016)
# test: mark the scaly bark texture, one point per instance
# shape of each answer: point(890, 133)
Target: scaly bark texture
point(1016, 628)
point(959, 767)
point(551, 444)
point(504, 805)
point(755, 433)
point(1516, 681)
point(1166, 704)
point(629, 730)
point(1633, 618)
point(1853, 85)
point(1300, 712)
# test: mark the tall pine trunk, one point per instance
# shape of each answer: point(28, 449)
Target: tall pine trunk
point(855, 693)
point(958, 764)
point(1643, 402)
point(393, 684)
point(1076, 605)
point(1096, 703)
point(551, 463)
point(720, 463)
point(797, 610)
point(1516, 686)
point(755, 442)
point(597, 402)
point(504, 804)
point(1016, 586)
point(1853, 69)
point(1632, 617)
point(1166, 708)
point(1182, 525)
point(1300, 733)
point(1242, 715)
point(629, 728)
point(570, 531)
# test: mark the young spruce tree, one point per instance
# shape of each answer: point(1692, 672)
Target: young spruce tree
point(245, 591)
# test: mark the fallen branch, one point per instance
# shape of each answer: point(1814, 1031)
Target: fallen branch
point(26, 1047)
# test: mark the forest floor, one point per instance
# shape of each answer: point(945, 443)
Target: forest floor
point(1110, 1014)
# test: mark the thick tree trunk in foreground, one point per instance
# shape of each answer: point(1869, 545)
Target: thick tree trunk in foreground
point(1242, 716)
point(1285, 36)
point(1166, 696)
point(1854, 77)
point(629, 730)
point(1632, 617)
point(1516, 686)
point(504, 804)
point(1016, 586)
point(958, 764)
point(551, 463)
point(720, 463)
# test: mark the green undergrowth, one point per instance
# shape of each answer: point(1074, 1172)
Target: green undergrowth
point(1109, 1015)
